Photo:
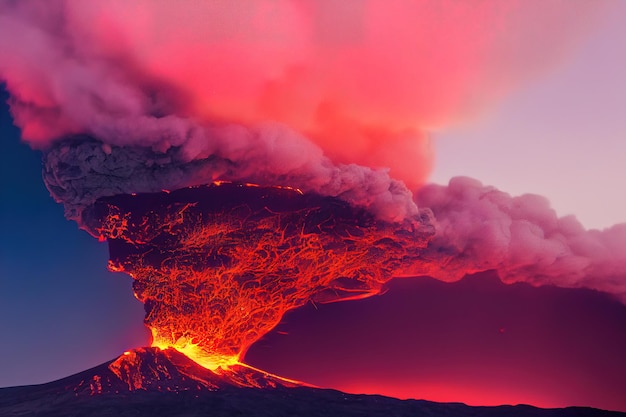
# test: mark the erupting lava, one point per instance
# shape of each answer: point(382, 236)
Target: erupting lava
point(218, 266)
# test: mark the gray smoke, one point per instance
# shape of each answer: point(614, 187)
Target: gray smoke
point(78, 171)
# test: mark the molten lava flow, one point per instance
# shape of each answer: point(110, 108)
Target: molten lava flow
point(218, 266)
point(154, 370)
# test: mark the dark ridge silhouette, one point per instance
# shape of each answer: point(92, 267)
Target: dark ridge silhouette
point(153, 382)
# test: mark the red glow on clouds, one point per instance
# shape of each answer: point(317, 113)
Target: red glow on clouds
point(217, 267)
point(363, 80)
point(295, 93)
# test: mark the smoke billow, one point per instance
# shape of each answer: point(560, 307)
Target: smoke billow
point(480, 228)
point(356, 83)
point(78, 172)
point(332, 97)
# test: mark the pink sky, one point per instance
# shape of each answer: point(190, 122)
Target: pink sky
point(561, 136)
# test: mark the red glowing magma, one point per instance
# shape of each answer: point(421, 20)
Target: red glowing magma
point(218, 266)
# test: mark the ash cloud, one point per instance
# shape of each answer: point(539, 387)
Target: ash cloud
point(480, 228)
point(78, 172)
point(355, 84)
point(331, 97)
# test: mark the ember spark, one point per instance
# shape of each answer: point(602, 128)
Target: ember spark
point(218, 266)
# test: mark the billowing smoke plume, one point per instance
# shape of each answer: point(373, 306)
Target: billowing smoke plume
point(481, 228)
point(331, 97)
point(79, 171)
point(356, 82)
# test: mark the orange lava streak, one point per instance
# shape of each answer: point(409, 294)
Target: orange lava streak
point(217, 267)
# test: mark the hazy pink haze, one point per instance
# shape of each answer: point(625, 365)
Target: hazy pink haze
point(364, 80)
point(562, 136)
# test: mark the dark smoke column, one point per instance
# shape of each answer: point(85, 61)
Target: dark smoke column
point(217, 266)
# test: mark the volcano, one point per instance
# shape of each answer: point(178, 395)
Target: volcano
point(155, 382)
point(217, 266)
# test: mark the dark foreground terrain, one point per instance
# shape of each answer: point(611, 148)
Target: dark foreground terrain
point(149, 382)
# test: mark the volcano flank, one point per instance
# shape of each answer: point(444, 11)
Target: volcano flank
point(154, 382)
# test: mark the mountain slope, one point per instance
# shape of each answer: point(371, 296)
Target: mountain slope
point(150, 382)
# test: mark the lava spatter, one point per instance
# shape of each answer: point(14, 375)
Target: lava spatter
point(218, 266)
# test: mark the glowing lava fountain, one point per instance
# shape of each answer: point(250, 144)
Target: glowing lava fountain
point(217, 266)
